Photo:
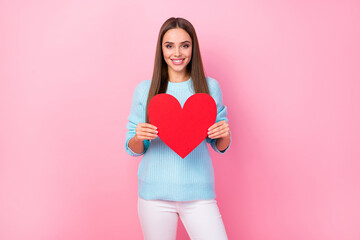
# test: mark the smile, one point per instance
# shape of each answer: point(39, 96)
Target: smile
point(178, 62)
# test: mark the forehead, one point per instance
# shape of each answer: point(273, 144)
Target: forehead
point(176, 35)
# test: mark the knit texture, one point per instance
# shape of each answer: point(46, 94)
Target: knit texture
point(162, 174)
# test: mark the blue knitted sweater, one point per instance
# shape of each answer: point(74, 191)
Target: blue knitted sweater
point(162, 174)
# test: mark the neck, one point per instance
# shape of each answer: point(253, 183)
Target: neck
point(178, 76)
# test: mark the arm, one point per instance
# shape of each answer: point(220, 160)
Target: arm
point(136, 146)
point(133, 146)
point(223, 143)
point(220, 145)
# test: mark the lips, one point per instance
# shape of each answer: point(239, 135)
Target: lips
point(178, 61)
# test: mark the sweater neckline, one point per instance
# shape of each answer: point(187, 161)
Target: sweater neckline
point(179, 84)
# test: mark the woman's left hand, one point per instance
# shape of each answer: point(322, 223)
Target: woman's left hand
point(219, 130)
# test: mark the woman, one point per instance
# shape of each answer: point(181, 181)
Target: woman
point(170, 187)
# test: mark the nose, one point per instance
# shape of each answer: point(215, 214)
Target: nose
point(177, 52)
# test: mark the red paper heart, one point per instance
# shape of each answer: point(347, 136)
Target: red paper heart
point(182, 129)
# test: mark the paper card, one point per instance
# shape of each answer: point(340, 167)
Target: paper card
point(182, 129)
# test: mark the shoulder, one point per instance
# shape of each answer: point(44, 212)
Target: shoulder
point(142, 90)
point(143, 85)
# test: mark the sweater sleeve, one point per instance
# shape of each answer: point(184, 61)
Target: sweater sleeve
point(137, 115)
point(221, 115)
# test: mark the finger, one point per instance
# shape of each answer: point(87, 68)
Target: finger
point(222, 133)
point(147, 136)
point(216, 136)
point(148, 129)
point(219, 125)
point(146, 133)
point(145, 125)
point(148, 125)
point(215, 125)
point(218, 128)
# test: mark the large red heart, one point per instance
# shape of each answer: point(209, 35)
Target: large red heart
point(182, 129)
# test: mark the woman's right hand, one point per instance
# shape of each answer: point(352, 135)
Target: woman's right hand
point(145, 131)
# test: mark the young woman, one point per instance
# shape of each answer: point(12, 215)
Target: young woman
point(169, 186)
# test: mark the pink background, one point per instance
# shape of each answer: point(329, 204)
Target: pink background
point(289, 72)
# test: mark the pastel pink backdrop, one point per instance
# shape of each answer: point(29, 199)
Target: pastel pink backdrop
point(289, 72)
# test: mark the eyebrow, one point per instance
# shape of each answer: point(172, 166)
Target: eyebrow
point(181, 42)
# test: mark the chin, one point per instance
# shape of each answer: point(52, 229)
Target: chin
point(179, 69)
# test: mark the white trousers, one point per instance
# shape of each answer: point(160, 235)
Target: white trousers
point(201, 219)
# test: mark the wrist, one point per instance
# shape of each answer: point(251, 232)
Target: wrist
point(136, 139)
point(225, 138)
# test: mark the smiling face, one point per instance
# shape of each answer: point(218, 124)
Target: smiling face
point(177, 50)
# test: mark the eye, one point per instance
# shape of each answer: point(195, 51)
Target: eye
point(168, 46)
point(186, 45)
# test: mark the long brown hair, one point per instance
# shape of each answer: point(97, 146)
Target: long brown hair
point(195, 68)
